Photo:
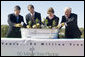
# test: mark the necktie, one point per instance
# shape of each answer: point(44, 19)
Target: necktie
point(32, 17)
point(17, 18)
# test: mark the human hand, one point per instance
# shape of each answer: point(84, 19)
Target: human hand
point(18, 25)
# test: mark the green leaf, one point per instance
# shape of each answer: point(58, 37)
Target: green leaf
point(30, 23)
point(46, 21)
point(54, 23)
point(37, 20)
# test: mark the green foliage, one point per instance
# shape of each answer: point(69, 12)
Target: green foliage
point(37, 20)
point(46, 21)
point(4, 29)
point(43, 20)
point(63, 31)
point(82, 31)
point(30, 23)
point(61, 36)
point(54, 23)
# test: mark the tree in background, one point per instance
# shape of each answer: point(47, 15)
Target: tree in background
point(4, 29)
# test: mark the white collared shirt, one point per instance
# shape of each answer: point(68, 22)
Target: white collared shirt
point(32, 14)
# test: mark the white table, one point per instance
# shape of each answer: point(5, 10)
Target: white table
point(39, 33)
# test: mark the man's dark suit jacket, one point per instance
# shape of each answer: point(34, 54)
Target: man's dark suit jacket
point(36, 16)
point(71, 30)
point(14, 32)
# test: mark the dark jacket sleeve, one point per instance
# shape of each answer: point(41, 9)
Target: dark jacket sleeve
point(10, 21)
point(24, 25)
point(39, 17)
point(73, 19)
point(63, 19)
point(27, 19)
point(57, 21)
point(45, 21)
point(22, 19)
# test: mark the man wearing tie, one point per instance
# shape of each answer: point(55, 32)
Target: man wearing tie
point(70, 21)
point(32, 16)
point(15, 22)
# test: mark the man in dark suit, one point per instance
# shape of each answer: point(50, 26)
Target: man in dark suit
point(15, 22)
point(32, 16)
point(71, 27)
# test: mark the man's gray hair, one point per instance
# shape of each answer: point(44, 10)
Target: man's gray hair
point(67, 8)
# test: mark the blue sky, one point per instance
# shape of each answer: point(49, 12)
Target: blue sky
point(42, 7)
